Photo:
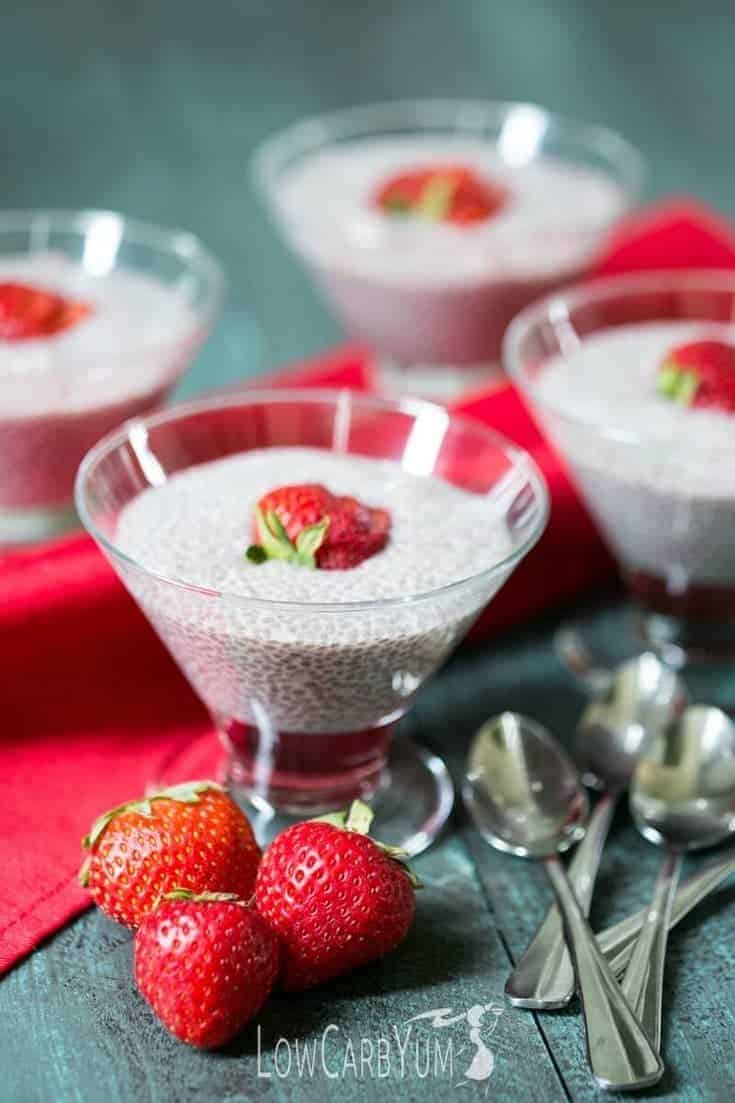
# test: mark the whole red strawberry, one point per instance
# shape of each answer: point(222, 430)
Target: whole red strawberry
point(190, 836)
point(27, 311)
point(307, 525)
point(700, 374)
point(442, 193)
point(335, 898)
point(206, 964)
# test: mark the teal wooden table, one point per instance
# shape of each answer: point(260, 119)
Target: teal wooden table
point(75, 1031)
point(152, 107)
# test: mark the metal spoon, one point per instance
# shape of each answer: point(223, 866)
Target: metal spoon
point(617, 942)
point(682, 797)
point(525, 797)
point(642, 696)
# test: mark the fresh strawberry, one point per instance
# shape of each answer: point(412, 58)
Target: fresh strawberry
point(335, 898)
point(700, 374)
point(206, 964)
point(190, 836)
point(309, 526)
point(30, 312)
point(442, 193)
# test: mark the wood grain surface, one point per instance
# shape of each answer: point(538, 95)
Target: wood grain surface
point(75, 1031)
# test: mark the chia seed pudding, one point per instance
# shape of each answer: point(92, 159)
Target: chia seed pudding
point(320, 666)
point(60, 393)
point(424, 292)
point(658, 476)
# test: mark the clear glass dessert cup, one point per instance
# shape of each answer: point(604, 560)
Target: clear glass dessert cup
point(440, 332)
point(306, 696)
point(53, 411)
point(673, 538)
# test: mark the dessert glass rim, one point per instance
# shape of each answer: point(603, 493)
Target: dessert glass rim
point(174, 241)
point(411, 406)
point(554, 308)
point(465, 116)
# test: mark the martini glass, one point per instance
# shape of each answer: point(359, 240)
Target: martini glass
point(664, 503)
point(306, 696)
point(432, 301)
point(55, 404)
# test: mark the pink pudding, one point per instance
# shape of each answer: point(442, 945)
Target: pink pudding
point(81, 350)
point(428, 240)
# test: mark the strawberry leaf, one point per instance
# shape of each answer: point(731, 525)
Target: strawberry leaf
point(359, 817)
point(677, 384)
point(276, 543)
point(256, 554)
point(337, 819)
point(688, 387)
point(668, 381)
point(203, 897)
point(436, 198)
point(396, 204)
point(309, 541)
point(186, 793)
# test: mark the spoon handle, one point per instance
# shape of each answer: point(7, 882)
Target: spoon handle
point(644, 977)
point(617, 942)
point(544, 977)
point(620, 1054)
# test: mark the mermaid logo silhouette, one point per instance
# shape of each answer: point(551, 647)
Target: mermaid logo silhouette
point(481, 1066)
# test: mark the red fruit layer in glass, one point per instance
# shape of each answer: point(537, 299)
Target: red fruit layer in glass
point(307, 768)
point(697, 602)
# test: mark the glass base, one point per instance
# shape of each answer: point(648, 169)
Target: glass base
point(596, 641)
point(412, 800)
point(436, 382)
point(29, 525)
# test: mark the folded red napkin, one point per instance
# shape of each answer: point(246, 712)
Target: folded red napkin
point(92, 709)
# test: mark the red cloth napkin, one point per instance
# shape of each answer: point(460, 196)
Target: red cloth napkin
point(92, 712)
point(92, 709)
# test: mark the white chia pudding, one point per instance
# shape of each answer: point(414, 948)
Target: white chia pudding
point(658, 476)
point(322, 666)
point(421, 290)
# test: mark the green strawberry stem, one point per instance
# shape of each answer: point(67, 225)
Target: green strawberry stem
point(203, 897)
point(676, 384)
point(186, 793)
point(436, 198)
point(358, 819)
point(276, 543)
point(397, 204)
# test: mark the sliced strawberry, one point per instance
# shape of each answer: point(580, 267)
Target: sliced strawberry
point(30, 312)
point(442, 193)
point(700, 374)
point(309, 526)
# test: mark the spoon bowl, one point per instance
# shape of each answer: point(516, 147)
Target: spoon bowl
point(521, 789)
point(683, 790)
point(644, 696)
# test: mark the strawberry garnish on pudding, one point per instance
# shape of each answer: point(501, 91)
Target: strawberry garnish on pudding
point(441, 193)
point(700, 374)
point(27, 312)
point(309, 526)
